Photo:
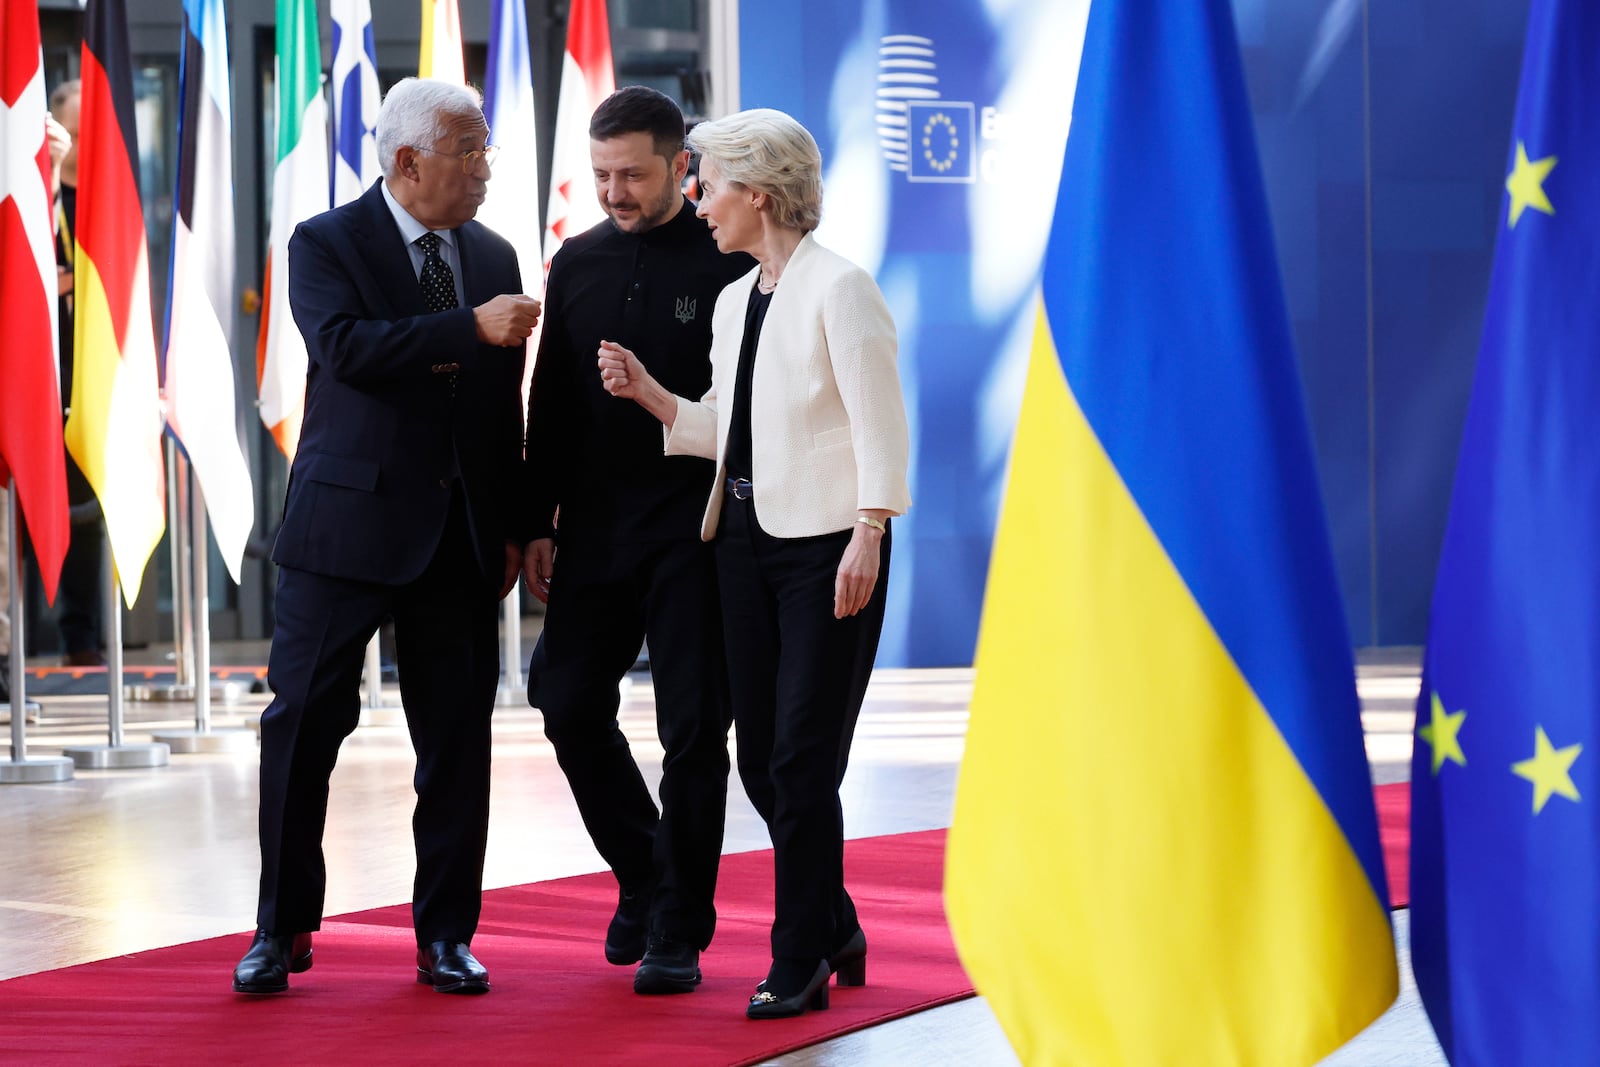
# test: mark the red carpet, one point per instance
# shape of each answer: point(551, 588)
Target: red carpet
point(1394, 829)
point(555, 999)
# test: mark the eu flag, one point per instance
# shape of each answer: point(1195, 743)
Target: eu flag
point(1164, 849)
point(1505, 928)
point(944, 142)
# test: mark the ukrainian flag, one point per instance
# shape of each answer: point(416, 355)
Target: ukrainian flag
point(1165, 849)
point(1505, 832)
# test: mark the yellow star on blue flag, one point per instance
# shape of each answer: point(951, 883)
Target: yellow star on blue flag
point(1526, 184)
point(1504, 867)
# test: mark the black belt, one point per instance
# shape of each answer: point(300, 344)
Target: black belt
point(740, 488)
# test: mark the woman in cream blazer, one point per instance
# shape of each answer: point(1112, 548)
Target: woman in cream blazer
point(807, 424)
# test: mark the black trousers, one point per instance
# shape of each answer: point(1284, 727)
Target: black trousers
point(447, 652)
point(798, 677)
point(605, 601)
point(78, 610)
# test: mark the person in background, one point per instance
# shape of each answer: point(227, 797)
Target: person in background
point(401, 505)
point(630, 564)
point(78, 609)
point(804, 348)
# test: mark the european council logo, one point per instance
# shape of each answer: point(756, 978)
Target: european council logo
point(943, 140)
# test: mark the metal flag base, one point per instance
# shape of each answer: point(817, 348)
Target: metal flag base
point(227, 740)
point(221, 693)
point(34, 770)
point(34, 711)
point(117, 757)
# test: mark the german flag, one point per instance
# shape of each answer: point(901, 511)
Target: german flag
point(114, 429)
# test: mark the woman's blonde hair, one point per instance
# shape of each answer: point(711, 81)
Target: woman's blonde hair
point(770, 152)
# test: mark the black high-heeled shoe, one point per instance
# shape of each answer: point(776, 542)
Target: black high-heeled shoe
point(848, 961)
point(814, 995)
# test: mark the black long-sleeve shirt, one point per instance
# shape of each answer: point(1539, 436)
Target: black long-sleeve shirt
point(597, 457)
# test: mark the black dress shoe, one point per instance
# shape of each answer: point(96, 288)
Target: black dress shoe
point(848, 961)
point(669, 966)
point(774, 1003)
point(450, 967)
point(271, 959)
point(630, 927)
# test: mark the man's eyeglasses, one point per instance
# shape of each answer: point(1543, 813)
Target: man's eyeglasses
point(469, 160)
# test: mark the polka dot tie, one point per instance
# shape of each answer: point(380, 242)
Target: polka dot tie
point(438, 284)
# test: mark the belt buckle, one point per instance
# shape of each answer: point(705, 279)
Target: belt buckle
point(740, 488)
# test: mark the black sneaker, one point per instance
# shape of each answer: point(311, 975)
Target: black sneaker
point(630, 927)
point(669, 967)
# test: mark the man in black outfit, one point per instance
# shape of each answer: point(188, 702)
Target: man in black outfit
point(400, 505)
point(631, 566)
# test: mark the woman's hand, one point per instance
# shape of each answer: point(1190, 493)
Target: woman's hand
point(858, 571)
point(621, 372)
point(623, 375)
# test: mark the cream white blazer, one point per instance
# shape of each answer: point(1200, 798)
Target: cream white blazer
point(827, 416)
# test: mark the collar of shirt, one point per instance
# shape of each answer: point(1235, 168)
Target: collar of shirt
point(411, 229)
point(680, 227)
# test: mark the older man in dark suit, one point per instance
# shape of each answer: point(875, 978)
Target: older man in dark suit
point(399, 505)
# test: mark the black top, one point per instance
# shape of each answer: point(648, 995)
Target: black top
point(738, 453)
point(593, 456)
point(66, 235)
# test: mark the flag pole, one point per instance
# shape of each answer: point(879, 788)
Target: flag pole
point(184, 565)
point(177, 514)
point(19, 769)
point(15, 666)
point(192, 512)
point(181, 687)
point(114, 754)
point(513, 687)
point(374, 711)
point(200, 614)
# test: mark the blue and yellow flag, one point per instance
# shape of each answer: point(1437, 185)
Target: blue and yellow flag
point(1505, 823)
point(1165, 849)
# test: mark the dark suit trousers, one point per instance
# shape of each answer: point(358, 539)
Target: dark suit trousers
point(446, 649)
point(605, 601)
point(797, 676)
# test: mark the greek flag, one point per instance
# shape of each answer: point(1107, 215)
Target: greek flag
point(355, 101)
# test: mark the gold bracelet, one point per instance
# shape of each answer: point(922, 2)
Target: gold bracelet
point(876, 524)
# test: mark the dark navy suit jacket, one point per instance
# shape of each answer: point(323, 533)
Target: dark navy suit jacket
point(399, 403)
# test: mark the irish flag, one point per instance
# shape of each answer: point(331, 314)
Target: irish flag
point(115, 428)
point(299, 191)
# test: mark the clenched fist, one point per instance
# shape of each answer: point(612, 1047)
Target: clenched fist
point(507, 320)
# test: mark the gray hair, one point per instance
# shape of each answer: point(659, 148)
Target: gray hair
point(417, 111)
point(769, 152)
